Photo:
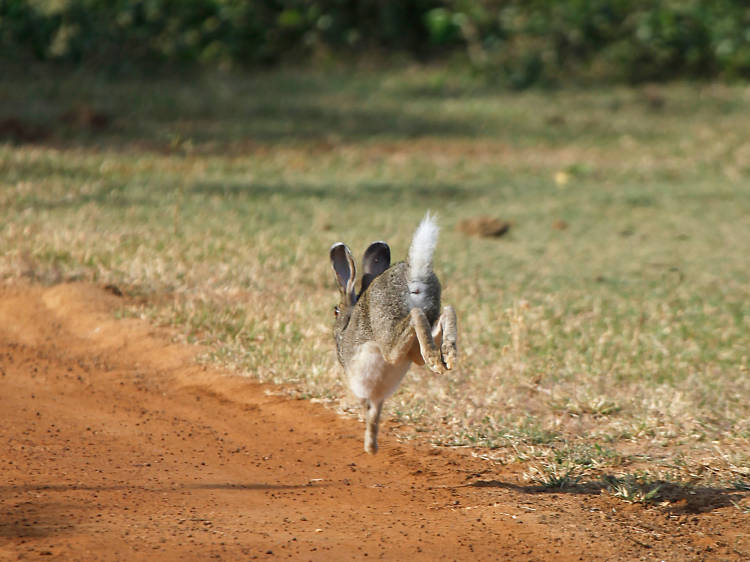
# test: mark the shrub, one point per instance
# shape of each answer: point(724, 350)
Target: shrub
point(519, 42)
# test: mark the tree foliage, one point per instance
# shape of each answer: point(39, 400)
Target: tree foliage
point(520, 42)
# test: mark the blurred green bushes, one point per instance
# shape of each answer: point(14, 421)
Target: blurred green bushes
point(532, 41)
point(517, 43)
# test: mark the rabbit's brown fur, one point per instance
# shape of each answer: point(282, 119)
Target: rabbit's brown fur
point(396, 320)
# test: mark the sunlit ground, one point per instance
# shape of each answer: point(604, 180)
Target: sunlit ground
point(608, 329)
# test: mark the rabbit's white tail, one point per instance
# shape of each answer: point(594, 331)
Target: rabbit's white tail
point(420, 252)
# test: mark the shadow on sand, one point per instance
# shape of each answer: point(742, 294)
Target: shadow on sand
point(682, 498)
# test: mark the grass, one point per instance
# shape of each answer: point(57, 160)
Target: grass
point(614, 314)
point(634, 488)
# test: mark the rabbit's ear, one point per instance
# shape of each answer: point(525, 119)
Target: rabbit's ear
point(343, 266)
point(376, 260)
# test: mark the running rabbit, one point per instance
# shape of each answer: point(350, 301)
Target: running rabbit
point(394, 320)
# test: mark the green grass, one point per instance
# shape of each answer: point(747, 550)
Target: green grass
point(634, 488)
point(217, 197)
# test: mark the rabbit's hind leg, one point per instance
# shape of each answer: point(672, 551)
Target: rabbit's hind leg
point(415, 327)
point(445, 335)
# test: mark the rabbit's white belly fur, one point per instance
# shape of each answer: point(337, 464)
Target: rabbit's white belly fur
point(371, 377)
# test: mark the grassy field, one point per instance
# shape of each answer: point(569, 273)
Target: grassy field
point(606, 334)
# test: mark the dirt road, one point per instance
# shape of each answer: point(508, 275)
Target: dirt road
point(118, 446)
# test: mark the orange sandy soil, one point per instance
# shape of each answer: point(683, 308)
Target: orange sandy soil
point(119, 446)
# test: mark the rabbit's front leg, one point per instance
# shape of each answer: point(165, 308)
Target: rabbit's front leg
point(371, 410)
point(445, 335)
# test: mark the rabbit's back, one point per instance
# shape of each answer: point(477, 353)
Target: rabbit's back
point(387, 302)
point(382, 309)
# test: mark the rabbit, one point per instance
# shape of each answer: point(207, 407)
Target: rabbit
point(395, 320)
